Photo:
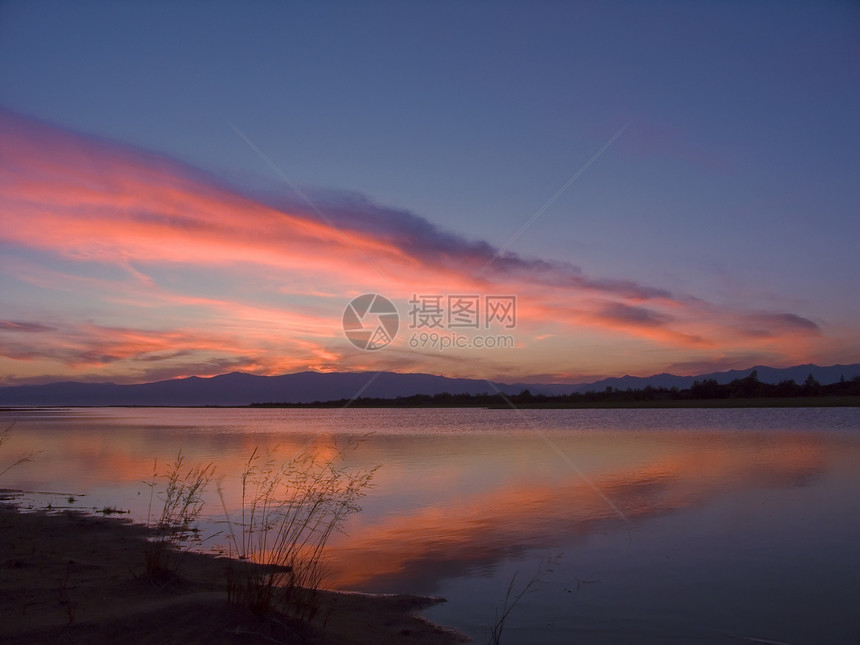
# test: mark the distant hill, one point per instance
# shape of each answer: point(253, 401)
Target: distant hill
point(798, 374)
point(306, 387)
point(244, 389)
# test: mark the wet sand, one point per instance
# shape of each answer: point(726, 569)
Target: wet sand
point(71, 578)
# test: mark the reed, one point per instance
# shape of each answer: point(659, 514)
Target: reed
point(4, 438)
point(17, 462)
point(181, 495)
point(513, 598)
point(288, 513)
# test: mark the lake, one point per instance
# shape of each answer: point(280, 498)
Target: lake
point(651, 526)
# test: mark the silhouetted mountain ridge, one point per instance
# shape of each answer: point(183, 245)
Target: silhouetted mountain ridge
point(797, 373)
point(237, 388)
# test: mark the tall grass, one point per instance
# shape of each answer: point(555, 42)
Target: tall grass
point(288, 513)
point(181, 505)
point(4, 437)
point(513, 598)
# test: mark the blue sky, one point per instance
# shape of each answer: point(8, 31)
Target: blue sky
point(734, 182)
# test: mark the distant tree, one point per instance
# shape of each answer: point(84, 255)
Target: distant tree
point(707, 389)
point(811, 387)
point(787, 388)
point(748, 387)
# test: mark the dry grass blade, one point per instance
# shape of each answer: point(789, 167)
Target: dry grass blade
point(288, 514)
point(182, 504)
point(4, 437)
point(512, 600)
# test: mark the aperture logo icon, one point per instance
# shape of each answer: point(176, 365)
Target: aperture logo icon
point(370, 321)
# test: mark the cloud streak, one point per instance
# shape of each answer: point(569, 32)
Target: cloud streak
point(146, 238)
point(25, 327)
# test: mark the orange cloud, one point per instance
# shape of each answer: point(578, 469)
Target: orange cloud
point(279, 275)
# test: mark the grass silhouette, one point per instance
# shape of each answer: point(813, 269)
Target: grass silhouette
point(288, 513)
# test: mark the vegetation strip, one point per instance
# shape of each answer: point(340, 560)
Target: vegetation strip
point(743, 392)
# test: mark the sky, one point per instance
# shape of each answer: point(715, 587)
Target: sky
point(195, 188)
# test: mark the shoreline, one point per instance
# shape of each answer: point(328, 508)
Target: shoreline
point(730, 403)
point(71, 577)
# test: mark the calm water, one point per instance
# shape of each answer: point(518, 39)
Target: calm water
point(663, 526)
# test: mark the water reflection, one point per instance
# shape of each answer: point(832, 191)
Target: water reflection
point(445, 501)
point(464, 527)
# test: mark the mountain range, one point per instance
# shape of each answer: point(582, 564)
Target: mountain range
point(237, 389)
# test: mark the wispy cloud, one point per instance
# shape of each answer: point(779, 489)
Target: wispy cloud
point(626, 314)
point(774, 325)
point(183, 271)
point(24, 326)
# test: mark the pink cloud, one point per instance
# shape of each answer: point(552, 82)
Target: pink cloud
point(285, 273)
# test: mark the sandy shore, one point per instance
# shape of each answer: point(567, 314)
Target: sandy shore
point(71, 578)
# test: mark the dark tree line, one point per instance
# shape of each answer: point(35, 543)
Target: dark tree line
point(743, 388)
point(709, 389)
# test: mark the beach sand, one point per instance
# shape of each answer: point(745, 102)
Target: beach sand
point(66, 577)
